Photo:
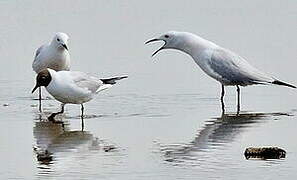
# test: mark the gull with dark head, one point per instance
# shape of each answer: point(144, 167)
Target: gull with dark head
point(54, 55)
point(72, 87)
point(219, 63)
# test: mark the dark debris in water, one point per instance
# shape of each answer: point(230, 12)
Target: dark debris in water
point(265, 153)
point(91, 116)
point(101, 145)
point(109, 148)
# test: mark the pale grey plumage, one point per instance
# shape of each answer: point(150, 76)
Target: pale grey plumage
point(38, 52)
point(232, 69)
point(219, 63)
point(86, 81)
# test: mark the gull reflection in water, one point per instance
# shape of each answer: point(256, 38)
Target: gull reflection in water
point(216, 134)
point(53, 138)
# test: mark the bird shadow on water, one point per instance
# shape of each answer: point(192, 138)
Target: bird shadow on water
point(215, 135)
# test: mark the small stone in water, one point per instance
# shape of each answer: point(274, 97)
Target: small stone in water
point(265, 153)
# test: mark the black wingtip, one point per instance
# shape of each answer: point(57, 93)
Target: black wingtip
point(283, 83)
point(112, 80)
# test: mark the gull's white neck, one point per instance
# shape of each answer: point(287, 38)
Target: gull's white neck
point(194, 45)
point(53, 73)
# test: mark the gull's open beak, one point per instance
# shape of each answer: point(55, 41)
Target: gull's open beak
point(64, 45)
point(153, 40)
point(36, 86)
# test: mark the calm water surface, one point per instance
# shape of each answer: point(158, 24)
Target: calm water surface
point(164, 121)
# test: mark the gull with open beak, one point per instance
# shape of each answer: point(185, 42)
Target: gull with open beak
point(219, 63)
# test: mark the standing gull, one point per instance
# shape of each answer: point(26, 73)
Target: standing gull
point(72, 87)
point(219, 63)
point(54, 55)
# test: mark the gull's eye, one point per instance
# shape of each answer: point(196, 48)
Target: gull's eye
point(166, 36)
point(58, 39)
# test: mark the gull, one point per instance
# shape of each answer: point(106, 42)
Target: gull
point(53, 55)
point(217, 62)
point(72, 87)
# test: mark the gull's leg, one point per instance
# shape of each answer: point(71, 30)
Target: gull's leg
point(82, 110)
point(62, 107)
point(82, 117)
point(222, 99)
point(52, 116)
point(238, 99)
point(40, 99)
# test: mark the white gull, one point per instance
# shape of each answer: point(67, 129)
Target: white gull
point(72, 87)
point(54, 55)
point(219, 63)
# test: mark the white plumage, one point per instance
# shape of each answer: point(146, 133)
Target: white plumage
point(72, 87)
point(53, 55)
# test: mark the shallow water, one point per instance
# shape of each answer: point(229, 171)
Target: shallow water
point(164, 121)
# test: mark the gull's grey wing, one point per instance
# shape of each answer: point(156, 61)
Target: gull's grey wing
point(85, 81)
point(38, 51)
point(37, 64)
point(232, 69)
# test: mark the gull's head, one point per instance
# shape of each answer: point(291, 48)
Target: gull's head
point(61, 41)
point(43, 78)
point(171, 40)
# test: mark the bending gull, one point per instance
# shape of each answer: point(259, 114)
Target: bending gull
point(219, 63)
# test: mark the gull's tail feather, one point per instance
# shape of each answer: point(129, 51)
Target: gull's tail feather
point(109, 82)
point(282, 83)
point(113, 80)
